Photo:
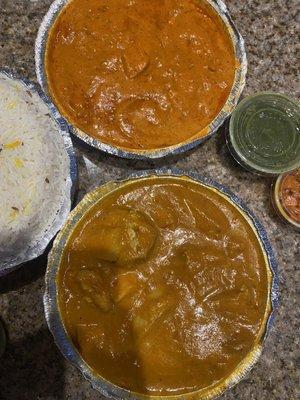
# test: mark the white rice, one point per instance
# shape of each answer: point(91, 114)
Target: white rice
point(33, 169)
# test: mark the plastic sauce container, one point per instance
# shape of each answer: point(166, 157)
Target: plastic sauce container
point(264, 134)
point(286, 198)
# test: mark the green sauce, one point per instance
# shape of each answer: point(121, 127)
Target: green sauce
point(265, 133)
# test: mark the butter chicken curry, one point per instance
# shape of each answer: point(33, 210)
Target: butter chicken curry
point(140, 74)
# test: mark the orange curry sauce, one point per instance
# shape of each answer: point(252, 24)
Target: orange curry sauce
point(289, 194)
point(140, 74)
point(163, 287)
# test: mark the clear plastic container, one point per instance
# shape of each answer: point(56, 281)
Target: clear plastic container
point(264, 134)
point(277, 200)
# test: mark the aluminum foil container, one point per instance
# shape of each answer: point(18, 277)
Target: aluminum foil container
point(200, 137)
point(55, 322)
point(36, 247)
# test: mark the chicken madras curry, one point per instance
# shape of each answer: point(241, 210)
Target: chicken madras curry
point(163, 287)
point(140, 74)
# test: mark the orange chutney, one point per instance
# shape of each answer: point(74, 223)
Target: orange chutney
point(140, 74)
point(163, 287)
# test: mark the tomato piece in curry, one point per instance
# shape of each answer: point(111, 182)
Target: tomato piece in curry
point(140, 74)
point(163, 287)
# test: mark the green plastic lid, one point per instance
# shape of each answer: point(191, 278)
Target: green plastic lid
point(264, 133)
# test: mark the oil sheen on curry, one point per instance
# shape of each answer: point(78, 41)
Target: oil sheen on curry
point(163, 287)
point(140, 74)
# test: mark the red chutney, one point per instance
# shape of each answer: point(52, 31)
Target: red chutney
point(140, 74)
point(289, 194)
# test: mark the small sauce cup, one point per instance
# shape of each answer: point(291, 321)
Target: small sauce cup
point(264, 134)
point(286, 198)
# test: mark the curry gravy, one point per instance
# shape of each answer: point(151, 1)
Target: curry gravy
point(140, 74)
point(163, 287)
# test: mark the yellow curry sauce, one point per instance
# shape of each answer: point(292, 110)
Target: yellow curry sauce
point(163, 287)
point(140, 74)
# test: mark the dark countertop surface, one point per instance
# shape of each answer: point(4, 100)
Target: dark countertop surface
point(32, 366)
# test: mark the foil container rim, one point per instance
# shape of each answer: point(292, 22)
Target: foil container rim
point(39, 247)
point(194, 141)
point(69, 351)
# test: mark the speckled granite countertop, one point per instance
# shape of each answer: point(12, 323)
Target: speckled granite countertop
point(32, 367)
